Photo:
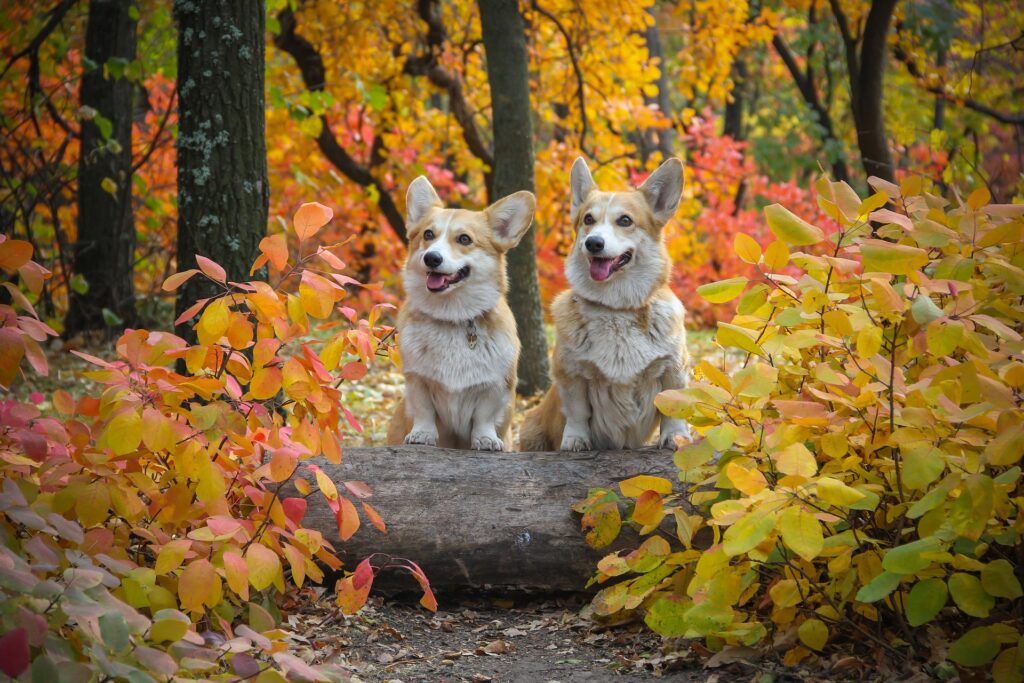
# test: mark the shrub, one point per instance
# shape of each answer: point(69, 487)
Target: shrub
point(144, 530)
point(859, 475)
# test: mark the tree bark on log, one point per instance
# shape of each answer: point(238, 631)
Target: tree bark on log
point(481, 520)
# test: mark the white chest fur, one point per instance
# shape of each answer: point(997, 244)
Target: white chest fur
point(615, 347)
point(442, 352)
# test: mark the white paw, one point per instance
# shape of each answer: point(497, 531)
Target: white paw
point(488, 443)
point(668, 439)
point(422, 437)
point(575, 443)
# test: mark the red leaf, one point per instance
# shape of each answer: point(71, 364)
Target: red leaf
point(294, 509)
point(352, 420)
point(14, 652)
point(191, 311)
point(359, 489)
point(363, 575)
point(212, 270)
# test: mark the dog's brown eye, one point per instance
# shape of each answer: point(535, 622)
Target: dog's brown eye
point(588, 220)
point(428, 235)
point(625, 221)
point(465, 240)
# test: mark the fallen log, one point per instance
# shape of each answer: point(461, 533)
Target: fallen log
point(483, 520)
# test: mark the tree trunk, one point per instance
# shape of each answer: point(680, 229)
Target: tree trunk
point(733, 124)
point(504, 38)
point(223, 193)
point(868, 112)
point(473, 518)
point(104, 251)
point(663, 139)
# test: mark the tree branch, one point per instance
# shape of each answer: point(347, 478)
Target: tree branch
point(571, 48)
point(311, 67)
point(449, 81)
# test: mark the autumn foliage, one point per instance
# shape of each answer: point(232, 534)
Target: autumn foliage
point(858, 478)
point(168, 506)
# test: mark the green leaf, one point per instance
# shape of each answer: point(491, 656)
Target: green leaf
point(747, 533)
point(104, 124)
point(114, 630)
point(790, 228)
point(910, 557)
point(970, 596)
point(667, 616)
point(924, 309)
point(999, 580)
point(943, 336)
point(708, 618)
point(927, 598)
point(723, 290)
point(977, 647)
point(922, 466)
point(78, 283)
point(878, 587)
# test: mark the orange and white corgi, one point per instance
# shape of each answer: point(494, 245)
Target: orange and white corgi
point(619, 335)
point(455, 330)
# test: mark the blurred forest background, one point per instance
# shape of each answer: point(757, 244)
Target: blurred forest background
point(134, 136)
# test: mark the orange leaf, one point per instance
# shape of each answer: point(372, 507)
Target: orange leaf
point(310, 218)
point(283, 463)
point(347, 518)
point(178, 279)
point(331, 448)
point(212, 270)
point(275, 247)
point(266, 382)
point(374, 517)
point(12, 350)
point(199, 585)
point(349, 598)
point(353, 371)
point(14, 254)
point(359, 489)
point(237, 573)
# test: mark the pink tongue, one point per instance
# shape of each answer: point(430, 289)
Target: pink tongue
point(437, 280)
point(601, 268)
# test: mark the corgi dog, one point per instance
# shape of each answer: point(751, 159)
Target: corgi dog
point(456, 332)
point(619, 335)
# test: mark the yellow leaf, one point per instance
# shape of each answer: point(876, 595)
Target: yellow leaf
point(796, 459)
point(1007, 448)
point(869, 341)
point(749, 482)
point(813, 633)
point(92, 505)
point(979, 198)
point(123, 434)
point(879, 256)
point(776, 256)
point(835, 492)
point(171, 556)
point(801, 533)
point(738, 337)
point(213, 323)
point(790, 228)
point(327, 486)
point(747, 248)
point(263, 564)
point(635, 486)
point(722, 291)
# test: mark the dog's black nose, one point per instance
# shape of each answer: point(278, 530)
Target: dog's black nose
point(432, 259)
point(594, 244)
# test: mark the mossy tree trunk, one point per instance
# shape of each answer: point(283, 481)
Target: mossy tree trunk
point(223, 193)
point(104, 250)
point(504, 35)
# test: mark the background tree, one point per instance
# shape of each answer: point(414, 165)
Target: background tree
point(104, 252)
point(505, 42)
point(223, 192)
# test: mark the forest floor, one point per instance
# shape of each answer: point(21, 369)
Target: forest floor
point(478, 638)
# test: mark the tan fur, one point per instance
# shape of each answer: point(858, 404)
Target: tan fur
point(583, 324)
point(459, 347)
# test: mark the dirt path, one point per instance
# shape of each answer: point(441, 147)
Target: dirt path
point(543, 642)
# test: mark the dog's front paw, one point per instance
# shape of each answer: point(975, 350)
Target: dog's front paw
point(668, 439)
point(575, 442)
point(488, 443)
point(422, 437)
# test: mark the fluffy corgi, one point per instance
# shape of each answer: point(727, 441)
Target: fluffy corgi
point(455, 331)
point(619, 335)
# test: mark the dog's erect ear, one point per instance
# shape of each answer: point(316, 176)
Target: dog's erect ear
point(663, 189)
point(510, 218)
point(582, 184)
point(419, 199)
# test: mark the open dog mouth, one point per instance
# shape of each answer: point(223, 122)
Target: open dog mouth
point(603, 268)
point(438, 282)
